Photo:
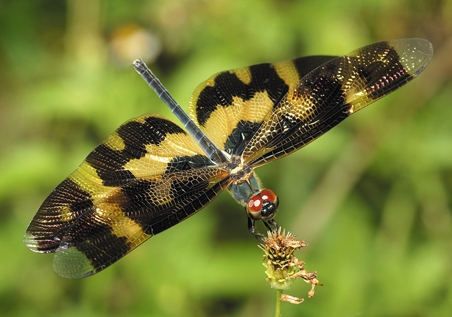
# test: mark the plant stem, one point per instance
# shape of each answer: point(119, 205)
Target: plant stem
point(279, 292)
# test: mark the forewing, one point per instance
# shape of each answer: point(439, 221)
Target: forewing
point(334, 91)
point(146, 177)
point(230, 106)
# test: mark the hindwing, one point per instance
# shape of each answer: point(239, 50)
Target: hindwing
point(148, 176)
point(230, 106)
point(332, 92)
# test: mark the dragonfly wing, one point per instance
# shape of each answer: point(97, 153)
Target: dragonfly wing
point(332, 92)
point(148, 176)
point(230, 106)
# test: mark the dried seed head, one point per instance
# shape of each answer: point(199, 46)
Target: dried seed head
point(282, 267)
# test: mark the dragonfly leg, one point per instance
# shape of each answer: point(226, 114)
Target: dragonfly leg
point(252, 229)
point(271, 225)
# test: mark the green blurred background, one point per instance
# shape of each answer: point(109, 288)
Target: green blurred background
point(372, 197)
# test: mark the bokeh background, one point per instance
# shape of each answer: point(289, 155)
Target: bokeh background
point(372, 197)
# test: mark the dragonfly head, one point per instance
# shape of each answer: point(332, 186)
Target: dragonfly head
point(263, 205)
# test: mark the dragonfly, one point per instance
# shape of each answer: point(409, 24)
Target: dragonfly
point(151, 174)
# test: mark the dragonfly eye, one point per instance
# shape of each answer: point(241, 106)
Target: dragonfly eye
point(263, 205)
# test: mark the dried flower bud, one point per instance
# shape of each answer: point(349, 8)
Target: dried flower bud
point(283, 268)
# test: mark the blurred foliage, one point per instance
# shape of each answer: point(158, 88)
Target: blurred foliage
point(372, 198)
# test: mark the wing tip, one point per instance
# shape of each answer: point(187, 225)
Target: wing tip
point(38, 244)
point(72, 264)
point(415, 53)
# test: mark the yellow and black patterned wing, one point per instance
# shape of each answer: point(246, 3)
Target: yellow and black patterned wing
point(148, 176)
point(266, 111)
point(334, 91)
point(230, 106)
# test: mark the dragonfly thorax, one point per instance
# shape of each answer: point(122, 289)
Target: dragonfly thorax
point(260, 204)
